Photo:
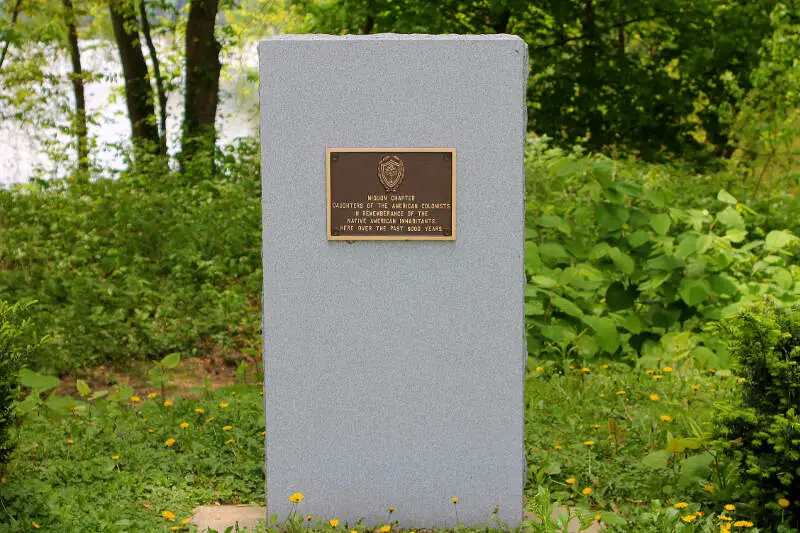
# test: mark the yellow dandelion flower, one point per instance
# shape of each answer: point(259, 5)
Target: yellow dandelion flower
point(695, 388)
point(783, 502)
point(709, 488)
point(698, 513)
point(539, 369)
point(589, 443)
point(135, 399)
point(681, 505)
point(209, 419)
point(666, 418)
point(667, 369)
point(730, 507)
point(223, 405)
point(610, 437)
point(605, 367)
point(230, 441)
point(169, 515)
point(70, 442)
point(333, 522)
point(233, 393)
point(657, 377)
point(152, 395)
point(655, 397)
point(620, 392)
point(263, 433)
point(598, 517)
point(689, 518)
point(35, 525)
point(175, 528)
point(557, 446)
point(724, 528)
point(741, 380)
point(742, 523)
point(151, 430)
point(384, 529)
point(169, 442)
point(725, 518)
point(572, 367)
point(391, 509)
point(454, 500)
point(586, 370)
point(184, 425)
point(308, 518)
point(586, 491)
point(650, 372)
point(712, 370)
point(297, 497)
point(261, 393)
point(115, 457)
point(185, 522)
point(200, 410)
point(227, 428)
point(597, 426)
point(602, 395)
point(168, 403)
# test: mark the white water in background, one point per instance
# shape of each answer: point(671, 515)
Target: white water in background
point(21, 153)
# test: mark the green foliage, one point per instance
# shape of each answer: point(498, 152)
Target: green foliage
point(140, 266)
point(104, 462)
point(617, 267)
point(16, 347)
point(761, 427)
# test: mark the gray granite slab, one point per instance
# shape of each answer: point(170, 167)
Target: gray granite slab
point(394, 370)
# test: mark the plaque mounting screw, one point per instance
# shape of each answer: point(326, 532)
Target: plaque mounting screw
point(447, 232)
point(446, 156)
point(334, 158)
point(335, 233)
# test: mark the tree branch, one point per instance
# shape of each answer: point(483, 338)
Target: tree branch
point(14, 16)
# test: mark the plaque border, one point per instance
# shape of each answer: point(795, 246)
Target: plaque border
point(451, 237)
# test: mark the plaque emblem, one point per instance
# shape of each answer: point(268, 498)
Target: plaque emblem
point(391, 172)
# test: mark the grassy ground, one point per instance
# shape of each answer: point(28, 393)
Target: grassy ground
point(627, 445)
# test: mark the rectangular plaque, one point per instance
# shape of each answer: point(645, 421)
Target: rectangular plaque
point(391, 194)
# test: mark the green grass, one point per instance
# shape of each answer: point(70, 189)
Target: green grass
point(118, 473)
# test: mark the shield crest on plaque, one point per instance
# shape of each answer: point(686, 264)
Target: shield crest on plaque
point(391, 172)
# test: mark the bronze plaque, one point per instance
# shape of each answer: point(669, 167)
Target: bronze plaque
point(391, 194)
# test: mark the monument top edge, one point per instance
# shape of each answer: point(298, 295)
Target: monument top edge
point(392, 37)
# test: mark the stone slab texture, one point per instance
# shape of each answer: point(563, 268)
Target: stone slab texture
point(394, 370)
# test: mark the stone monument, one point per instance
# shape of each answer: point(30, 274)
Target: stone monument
point(393, 219)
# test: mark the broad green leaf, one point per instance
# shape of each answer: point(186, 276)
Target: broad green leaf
point(725, 196)
point(687, 245)
point(632, 323)
point(534, 308)
point(599, 251)
point(566, 306)
point(622, 260)
point(171, 361)
point(659, 459)
point(778, 239)
point(96, 395)
point(731, 218)
point(532, 259)
point(544, 281)
point(611, 217)
point(555, 222)
point(638, 238)
point(83, 389)
point(704, 242)
point(694, 291)
point(558, 333)
point(553, 250)
point(736, 235)
point(660, 223)
point(723, 284)
point(656, 198)
point(681, 444)
point(618, 297)
point(38, 382)
point(606, 332)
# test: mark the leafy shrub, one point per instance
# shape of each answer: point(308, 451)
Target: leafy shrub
point(15, 347)
point(762, 428)
point(617, 267)
point(150, 263)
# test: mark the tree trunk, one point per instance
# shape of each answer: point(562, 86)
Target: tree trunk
point(138, 92)
point(79, 120)
point(202, 82)
point(14, 16)
point(162, 95)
